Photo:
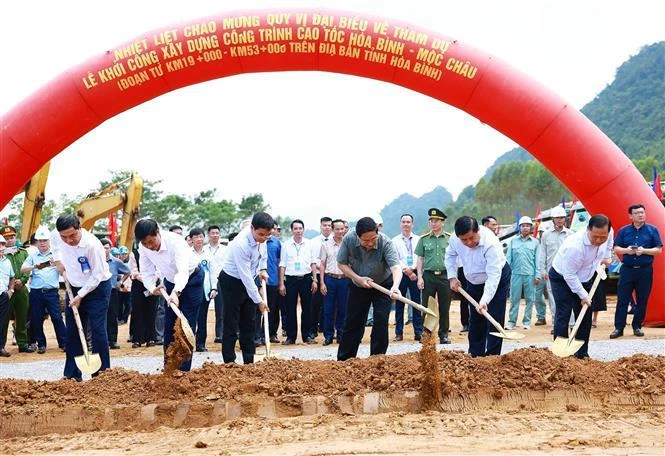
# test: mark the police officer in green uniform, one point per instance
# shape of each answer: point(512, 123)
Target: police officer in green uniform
point(18, 304)
point(432, 276)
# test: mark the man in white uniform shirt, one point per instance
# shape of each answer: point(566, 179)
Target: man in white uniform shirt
point(405, 244)
point(169, 253)
point(245, 264)
point(81, 256)
point(217, 252)
point(334, 285)
point(297, 272)
point(487, 274)
point(317, 298)
point(570, 276)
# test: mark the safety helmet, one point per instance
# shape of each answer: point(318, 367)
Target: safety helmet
point(558, 212)
point(526, 220)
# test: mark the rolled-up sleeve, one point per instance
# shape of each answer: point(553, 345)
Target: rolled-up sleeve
point(493, 270)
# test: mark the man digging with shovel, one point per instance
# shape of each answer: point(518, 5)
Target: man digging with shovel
point(488, 281)
point(169, 254)
point(81, 259)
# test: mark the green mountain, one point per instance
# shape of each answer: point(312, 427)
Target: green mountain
point(630, 111)
point(405, 203)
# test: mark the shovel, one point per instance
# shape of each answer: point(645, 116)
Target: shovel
point(431, 312)
point(184, 324)
point(87, 362)
point(567, 346)
point(266, 333)
point(503, 333)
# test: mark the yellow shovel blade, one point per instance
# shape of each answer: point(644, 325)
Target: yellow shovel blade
point(563, 346)
point(189, 334)
point(431, 322)
point(511, 335)
point(90, 365)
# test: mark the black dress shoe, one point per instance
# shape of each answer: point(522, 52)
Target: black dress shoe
point(418, 338)
point(26, 349)
point(288, 342)
point(274, 340)
point(616, 333)
point(149, 344)
point(444, 340)
point(218, 340)
point(465, 329)
point(310, 341)
point(41, 350)
point(201, 349)
point(114, 346)
point(638, 332)
point(327, 341)
point(136, 345)
point(398, 338)
point(159, 342)
point(4, 353)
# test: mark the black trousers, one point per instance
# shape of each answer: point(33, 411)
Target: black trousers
point(112, 316)
point(144, 309)
point(439, 286)
point(567, 302)
point(464, 304)
point(356, 316)
point(298, 287)
point(640, 281)
point(239, 315)
point(316, 322)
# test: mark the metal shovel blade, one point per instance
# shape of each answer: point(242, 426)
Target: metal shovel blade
point(431, 322)
point(90, 364)
point(507, 334)
point(564, 346)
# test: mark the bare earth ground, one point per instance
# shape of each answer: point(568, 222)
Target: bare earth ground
point(524, 401)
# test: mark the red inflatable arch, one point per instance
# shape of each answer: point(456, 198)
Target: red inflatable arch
point(565, 141)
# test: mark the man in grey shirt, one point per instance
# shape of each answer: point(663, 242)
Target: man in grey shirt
point(367, 256)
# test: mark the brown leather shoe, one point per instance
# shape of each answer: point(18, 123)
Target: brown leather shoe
point(398, 338)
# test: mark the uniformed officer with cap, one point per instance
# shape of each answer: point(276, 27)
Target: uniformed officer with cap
point(432, 275)
point(18, 304)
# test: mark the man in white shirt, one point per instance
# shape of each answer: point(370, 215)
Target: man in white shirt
point(217, 252)
point(297, 272)
point(169, 253)
point(334, 285)
point(209, 286)
point(570, 276)
point(487, 273)
point(317, 298)
point(81, 256)
point(245, 264)
point(405, 243)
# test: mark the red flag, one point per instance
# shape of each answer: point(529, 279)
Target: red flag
point(535, 230)
point(572, 213)
point(656, 187)
point(112, 228)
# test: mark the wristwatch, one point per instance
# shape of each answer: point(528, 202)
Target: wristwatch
point(178, 293)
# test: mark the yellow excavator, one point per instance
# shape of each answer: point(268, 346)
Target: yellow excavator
point(33, 202)
point(111, 199)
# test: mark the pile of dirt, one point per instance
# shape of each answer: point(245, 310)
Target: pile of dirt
point(526, 369)
point(178, 351)
point(431, 377)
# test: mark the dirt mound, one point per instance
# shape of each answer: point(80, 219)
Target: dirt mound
point(532, 369)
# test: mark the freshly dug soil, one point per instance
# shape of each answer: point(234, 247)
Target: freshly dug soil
point(178, 351)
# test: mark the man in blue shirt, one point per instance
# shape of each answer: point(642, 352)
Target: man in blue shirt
point(118, 269)
point(44, 284)
point(638, 242)
point(274, 246)
point(6, 287)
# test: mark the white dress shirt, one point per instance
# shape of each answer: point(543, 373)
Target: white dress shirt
point(329, 251)
point(401, 245)
point(218, 255)
point(174, 260)
point(482, 264)
point(298, 258)
point(317, 243)
point(244, 260)
point(577, 259)
point(89, 250)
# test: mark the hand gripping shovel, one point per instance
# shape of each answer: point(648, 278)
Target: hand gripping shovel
point(503, 333)
point(266, 332)
point(87, 362)
point(184, 324)
point(431, 311)
point(567, 346)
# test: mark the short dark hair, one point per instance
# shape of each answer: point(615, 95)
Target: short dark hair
point(365, 225)
point(406, 215)
point(337, 221)
point(464, 224)
point(599, 221)
point(172, 228)
point(196, 232)
point(233, 235)
point(213, 227)
point(298, 221)
point(635, 206)
point(146, 227)
point(325, 219)
point(488, 218)
point(262, 220)
point(66, 221)
point(105, 241)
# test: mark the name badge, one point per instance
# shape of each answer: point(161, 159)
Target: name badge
point(85, 265)
point(409, 260)
point(297, 265)
point(204, 265)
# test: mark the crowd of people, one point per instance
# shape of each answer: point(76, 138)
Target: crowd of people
point(342, 280)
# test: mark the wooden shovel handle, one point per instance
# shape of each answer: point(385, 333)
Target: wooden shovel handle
point(401, 298)
point(600, 273)
point(266, 333)
point(176, 310)
point(483, 312)
point(77, 318)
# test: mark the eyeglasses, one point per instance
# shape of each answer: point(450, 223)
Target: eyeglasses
point(368, 241)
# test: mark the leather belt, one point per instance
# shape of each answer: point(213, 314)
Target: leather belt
point(436, 273)
point(295, 277)
point(638, 267)
point(47, 290)
point(335, 276)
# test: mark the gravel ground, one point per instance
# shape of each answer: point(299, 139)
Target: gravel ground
point(52, 370)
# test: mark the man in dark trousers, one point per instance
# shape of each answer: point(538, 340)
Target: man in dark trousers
point(367, 256)
point(245, 262)
point(638, 242)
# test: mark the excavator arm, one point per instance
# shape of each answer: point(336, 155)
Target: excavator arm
point(33, 202)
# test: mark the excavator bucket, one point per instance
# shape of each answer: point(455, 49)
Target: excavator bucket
point(431, 322)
